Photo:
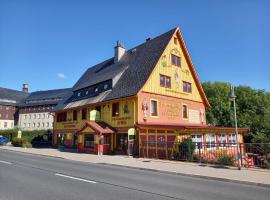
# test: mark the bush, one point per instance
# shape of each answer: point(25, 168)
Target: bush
point(186, 149)
point(10, 134)
point(26, 145)
point(226, 160)
point(18, 142)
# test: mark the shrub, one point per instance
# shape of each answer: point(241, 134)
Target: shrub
point(226, 160)
point(26, 145)
point(186, 149)
point(18, 142)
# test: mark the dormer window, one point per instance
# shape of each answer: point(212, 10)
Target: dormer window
point(79, 94)
point(96, 89)
point(86, 92)
point(105, 86)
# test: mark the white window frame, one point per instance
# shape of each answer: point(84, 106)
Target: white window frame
point(210, 144)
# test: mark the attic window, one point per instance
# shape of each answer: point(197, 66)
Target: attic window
point(175, 40)
point(176, 60)
point(105, 86)
point(96, 89)
point(86, 92)
point(79, 94)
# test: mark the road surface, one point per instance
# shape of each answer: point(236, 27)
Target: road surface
point(32, 177)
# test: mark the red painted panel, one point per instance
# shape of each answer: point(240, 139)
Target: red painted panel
point(152, 146)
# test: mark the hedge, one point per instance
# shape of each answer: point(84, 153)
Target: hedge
point(25, 134)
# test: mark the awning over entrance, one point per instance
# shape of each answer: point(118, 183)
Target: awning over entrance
point(98, 127)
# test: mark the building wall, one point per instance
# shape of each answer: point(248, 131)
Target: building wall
point(7, 116)
point(122, 123)
point(170, 111)
point(6, 124)
point(177, 74)
point(36, 121)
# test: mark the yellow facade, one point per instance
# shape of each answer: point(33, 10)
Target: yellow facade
point(126, 116)
point(177, 74)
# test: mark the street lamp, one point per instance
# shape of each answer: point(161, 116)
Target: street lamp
point(232, 98)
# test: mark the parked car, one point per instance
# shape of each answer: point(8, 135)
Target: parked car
point(3, 140)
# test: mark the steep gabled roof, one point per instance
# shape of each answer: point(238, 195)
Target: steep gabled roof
point(136, 66)
point(45, 97)
point(11, 97)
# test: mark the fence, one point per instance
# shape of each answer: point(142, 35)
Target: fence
point(220, 153)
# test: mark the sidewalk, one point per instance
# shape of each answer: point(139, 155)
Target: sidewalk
point(248, 176)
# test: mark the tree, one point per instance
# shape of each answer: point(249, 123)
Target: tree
point(253, 109)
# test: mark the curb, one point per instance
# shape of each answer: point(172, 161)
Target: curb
point(158, 171)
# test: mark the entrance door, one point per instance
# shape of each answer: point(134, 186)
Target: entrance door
point(121, 143)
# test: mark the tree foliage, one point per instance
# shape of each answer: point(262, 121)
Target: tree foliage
point(253, 109)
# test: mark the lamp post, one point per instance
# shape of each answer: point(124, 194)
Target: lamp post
point(232, 98)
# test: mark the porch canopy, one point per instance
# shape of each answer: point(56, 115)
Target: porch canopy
point(98, 127)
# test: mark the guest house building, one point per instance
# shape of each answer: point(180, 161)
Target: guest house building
point(35, 112)
point(9, 101)
point(138, 101)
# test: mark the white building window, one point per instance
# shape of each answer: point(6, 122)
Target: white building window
point(44, 116)
point(29, 116)
point(197, 139)
point(48, 116)
point(43, 124)
point(210, 140)
point(232, 139)
point(24, 125)
point(38, 124)
point(34, 124)
point(29, 125)
point(24, 116)
point(5, 124)
point(222, 140)
point(47, 124)
point(35, 116)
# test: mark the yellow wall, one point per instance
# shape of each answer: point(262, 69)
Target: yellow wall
point(165, 67)
point(123, 120)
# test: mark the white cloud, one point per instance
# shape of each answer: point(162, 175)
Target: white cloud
point(61, 75)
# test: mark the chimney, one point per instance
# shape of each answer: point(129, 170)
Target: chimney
point(25, 87)
point(119, 51)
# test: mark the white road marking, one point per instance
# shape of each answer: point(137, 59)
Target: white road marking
point(9, 163)
point(75, 178)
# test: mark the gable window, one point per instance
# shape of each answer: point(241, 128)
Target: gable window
point(187, 87)
point(184, 111)
point(74, 115)
point(154, 110)
point(165, 81)
point(175, 40)
point(115, 109)
point(84, 113)
point(176, 60)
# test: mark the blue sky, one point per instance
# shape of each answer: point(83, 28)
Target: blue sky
point(49, 44)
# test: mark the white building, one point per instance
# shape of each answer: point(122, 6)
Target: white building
point(35, 112)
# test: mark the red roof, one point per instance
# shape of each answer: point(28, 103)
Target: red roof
point(98, 127)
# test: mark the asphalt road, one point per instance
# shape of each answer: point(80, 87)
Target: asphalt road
point(32, 177)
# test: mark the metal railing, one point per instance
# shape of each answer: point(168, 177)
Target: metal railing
point(216, 153)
